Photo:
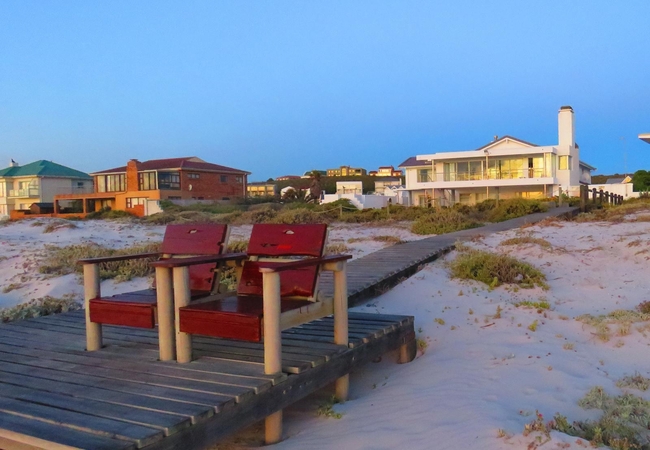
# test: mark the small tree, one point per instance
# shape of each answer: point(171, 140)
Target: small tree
point(641, 181)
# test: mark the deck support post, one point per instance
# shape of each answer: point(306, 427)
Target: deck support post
point(91, 291)
point(182, 296)
point(165, 307)
point(272, 346)
point(407, 351)
point(342, 386)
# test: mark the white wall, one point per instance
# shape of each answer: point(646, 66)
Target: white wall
point(624, 189)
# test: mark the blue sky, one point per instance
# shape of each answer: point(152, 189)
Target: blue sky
point(277, 88)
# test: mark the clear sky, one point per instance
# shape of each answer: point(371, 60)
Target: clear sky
point(277, 88)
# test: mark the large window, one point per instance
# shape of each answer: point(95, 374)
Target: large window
point(564, 162)
point(111, 183)
point(169, 180)
point(147, 181)
point(134, 201)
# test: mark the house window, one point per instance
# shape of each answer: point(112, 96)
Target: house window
point(224, 178)
point(193, 176)
point(147, 181)
point(134, 201)
point(111, 183)
point(169, 180)
point(225, 198)
point(171, 197)
point(564, 162)
point(424, 175)
point(239, 179)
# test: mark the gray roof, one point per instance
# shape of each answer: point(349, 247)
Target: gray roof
point(414, 162)
point(614, 180)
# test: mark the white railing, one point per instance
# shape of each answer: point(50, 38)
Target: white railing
point(29, 192)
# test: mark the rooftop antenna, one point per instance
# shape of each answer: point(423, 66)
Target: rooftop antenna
point(624, 154)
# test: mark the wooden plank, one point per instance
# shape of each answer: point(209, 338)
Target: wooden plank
point(194, 412)
point(167, 423)
point(239, 394)
point(215, 401)
point(19, 432)
point(289, 366)
point(68, 419)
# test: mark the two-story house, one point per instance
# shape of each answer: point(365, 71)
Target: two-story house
point(38, 182)
point(507, 167)
point(130, 187)
point(346, 171)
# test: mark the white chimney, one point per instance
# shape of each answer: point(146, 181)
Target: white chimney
point(566, 127)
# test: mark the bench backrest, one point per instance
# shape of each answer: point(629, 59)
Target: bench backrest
point(271, 241)
point(196, 240)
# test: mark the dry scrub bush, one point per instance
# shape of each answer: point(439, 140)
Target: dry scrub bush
point(443, 221)
point(63, 260)
point(621, 317)
point(43, 306)
point(53, 226)
point(387, 238)
point(521, 240)
point(494, 269)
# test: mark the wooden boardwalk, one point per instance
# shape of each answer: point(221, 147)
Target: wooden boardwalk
point(54, 394)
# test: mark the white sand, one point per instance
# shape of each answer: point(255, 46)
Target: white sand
point(479, 374)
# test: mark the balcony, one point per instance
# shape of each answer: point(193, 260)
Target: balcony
point(25, 193)
point(494, 174)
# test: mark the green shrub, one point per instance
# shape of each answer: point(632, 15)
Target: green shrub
point(63, 260)
point(494, 269)
point(108, 213)
point(527, 240)
point(443, 221)
point(515, 207)
point(302, 215)
point(38, 307)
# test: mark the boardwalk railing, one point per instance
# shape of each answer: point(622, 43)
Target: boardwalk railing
point(598, 197)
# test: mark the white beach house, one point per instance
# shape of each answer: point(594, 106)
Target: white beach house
point(507, 167)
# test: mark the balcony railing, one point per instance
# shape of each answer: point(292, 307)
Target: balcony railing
point(495, 174)
point(28, 193)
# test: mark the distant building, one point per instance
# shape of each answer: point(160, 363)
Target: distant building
point(619, 186)
point(346, 171)
point(288, 177)
point(386, 171)
point(260, 189)
point(38, 182)
point(507, 167)
point(382, 183)
point(309, 173)
point(132, 187)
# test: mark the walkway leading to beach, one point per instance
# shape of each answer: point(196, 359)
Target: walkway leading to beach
point(383, 269)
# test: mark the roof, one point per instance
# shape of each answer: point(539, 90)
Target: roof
point(506, 138)
point(43, 168)
point(187, 163)
point(587, 166)
point(414, 162)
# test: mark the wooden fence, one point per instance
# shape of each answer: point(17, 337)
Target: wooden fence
point(598, 197)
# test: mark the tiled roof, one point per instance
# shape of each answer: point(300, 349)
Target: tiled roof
point(188, 163)
point(42, 168)
point(614, 180)
point(414, 162)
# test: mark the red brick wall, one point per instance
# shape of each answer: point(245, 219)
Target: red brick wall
point(132, 183)
point(209, 186)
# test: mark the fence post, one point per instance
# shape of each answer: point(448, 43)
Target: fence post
point(594, 193)
point(341, 212)
point(559, 197)
point(601, 194)
point(583, 198)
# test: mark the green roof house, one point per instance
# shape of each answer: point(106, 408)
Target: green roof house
point(38, 182)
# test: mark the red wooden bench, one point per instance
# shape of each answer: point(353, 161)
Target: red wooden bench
point(139, 308)
point(277, 290)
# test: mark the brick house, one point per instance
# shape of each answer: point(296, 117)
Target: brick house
point(130, 187)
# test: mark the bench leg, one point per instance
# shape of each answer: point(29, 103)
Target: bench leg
point(91, 291)
point(273, 428)
point(341, 325)
point(272, 347)
point(165, 307)
point(408, 350)
point(182, 296)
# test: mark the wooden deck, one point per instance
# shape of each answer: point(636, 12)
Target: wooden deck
point(54, 392)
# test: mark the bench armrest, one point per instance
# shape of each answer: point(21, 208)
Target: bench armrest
point(194, 260)
point(103, 259)
point(271, 266)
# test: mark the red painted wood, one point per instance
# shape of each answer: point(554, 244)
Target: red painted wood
point(124, 313)
point(281, 240)
point(293, 283)
point(198, 239)
point(137, 309)
point(233, 318)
